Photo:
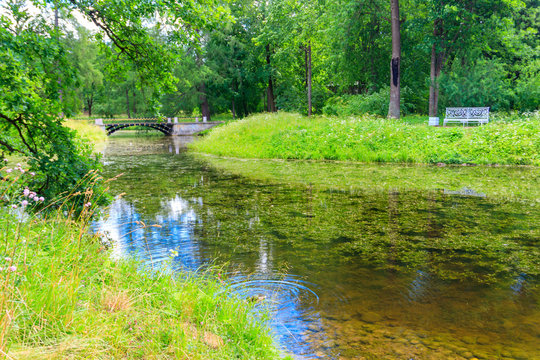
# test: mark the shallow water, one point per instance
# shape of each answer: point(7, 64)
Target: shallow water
point(353, 261)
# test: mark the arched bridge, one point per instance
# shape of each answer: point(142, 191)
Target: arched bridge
point(114, 127)
point(167, 127)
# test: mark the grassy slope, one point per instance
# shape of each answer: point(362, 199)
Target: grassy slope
point(67, 298)
point(368, 139)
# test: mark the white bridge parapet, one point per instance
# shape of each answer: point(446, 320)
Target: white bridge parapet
point(186, 129)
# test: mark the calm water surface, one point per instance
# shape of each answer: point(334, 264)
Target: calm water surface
point(350, 272)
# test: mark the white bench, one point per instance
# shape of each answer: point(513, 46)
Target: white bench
point(465, 115)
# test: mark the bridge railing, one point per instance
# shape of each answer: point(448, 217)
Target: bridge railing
point(167, 120)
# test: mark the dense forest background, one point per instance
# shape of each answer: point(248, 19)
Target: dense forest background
point(267, 55)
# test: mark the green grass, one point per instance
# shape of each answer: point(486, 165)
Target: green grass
point(371, 139)
point(63, 296)
point(88, 131)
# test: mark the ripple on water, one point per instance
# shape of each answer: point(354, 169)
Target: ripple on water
point(292, 304)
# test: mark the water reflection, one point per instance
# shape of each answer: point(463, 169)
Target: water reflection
point(346, 273)
point(169, 236)
point(152, 240)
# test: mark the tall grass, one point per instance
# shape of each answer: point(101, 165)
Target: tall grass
point(62, 296)
point(371, 139)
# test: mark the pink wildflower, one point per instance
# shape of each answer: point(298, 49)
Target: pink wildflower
point(26, 192)
point(13, 206)
point(12, 268)
point(24, 202)
point(41, 199)
point(88, 204)
point(9, 170)
point(7, 259)
point(33, 173)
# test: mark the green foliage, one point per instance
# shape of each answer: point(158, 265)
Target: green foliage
point(528, 87)
point(34, 73)
point(489, 50)
point(368, 139)
point(372, 103)
point(482, 84)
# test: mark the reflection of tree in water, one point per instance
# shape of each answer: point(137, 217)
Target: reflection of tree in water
point(452, 237)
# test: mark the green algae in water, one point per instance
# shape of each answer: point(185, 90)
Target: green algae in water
point(493, 181)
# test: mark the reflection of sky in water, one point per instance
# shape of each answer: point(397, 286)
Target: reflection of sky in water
point(290, 301)
point(152, 239)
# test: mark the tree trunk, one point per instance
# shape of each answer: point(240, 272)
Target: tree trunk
point(395, 64)
point(373, 69)
point(270, 90)
point(203, 101)
point(57, 35)
point(201, 88)
point(305, 67)
point(127, 103)
point(89, 104)
point(134, 100)
point(437, 57)
point(308, 58)
point(233, 110)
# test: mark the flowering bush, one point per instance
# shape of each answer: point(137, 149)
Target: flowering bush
point(14, 189)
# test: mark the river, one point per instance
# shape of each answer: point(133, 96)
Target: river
point(352, 261)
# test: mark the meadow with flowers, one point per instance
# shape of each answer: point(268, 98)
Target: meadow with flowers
point(508, 140)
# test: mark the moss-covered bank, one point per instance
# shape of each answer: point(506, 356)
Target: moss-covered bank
point(371, 139)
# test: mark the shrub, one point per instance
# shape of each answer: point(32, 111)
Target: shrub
point(528, 87)
point(375, 103)
point(484, 83)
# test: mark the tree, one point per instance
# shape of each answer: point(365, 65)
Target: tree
point(85, 55)
point(30, 107)
point(395, 64)
point(34, 57)
point(460, 26)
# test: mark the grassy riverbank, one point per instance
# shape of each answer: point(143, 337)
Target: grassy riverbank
point(63, 297)
point(370, 139)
